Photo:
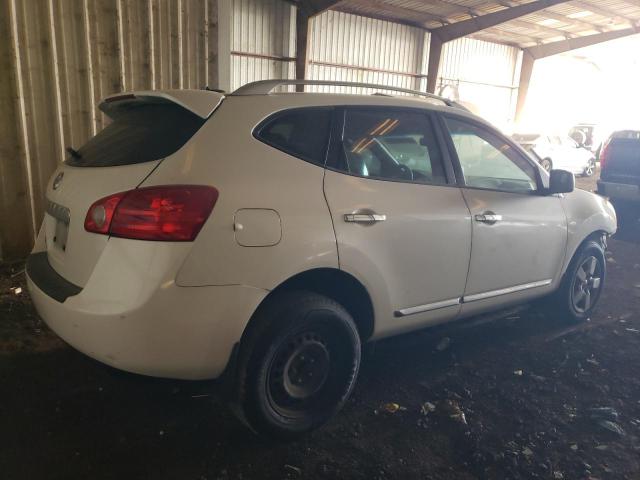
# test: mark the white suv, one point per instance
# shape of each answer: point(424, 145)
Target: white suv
point(269, 235)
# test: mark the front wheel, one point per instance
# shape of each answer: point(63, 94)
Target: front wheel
point(583, 282)
point(300, 363)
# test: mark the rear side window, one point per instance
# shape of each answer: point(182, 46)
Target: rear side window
point(140, 132)
point(303, 133)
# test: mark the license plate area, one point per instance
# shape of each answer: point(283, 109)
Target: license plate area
point(61, 216)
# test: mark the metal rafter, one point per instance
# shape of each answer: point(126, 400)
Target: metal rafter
point(311, 8)
point(554, 48)
point(385, 16)
point(561, 18)
point(475, 24)
point(474, 12)
point(416, 16)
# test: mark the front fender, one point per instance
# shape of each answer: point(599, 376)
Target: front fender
point(587, 213)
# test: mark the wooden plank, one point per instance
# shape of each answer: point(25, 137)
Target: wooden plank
point(89, 50)
point(15, 196)
point(212, 44)
point(58, 120)
point(32, 22)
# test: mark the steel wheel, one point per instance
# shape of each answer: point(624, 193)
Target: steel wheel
point(586, 284)
point(299, 371)
point(298, 365)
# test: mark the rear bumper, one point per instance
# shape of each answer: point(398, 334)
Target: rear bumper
point(160, 329)
point(619, 191)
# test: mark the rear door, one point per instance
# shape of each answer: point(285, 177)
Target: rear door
point(401, 223)
point(142, 132)
point(519, 235)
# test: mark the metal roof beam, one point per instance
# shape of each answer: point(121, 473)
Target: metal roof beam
point(580, 23)
point(416, 16)
point(384, 16)
point(311, 8)
point(554, 48)
point(475, 24)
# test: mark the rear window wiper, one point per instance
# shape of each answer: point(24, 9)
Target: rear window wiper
point(73, 152)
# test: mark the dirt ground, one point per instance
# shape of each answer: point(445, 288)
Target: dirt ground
point(522, 396)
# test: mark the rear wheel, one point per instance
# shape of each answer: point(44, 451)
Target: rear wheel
point(546, 164)
point(583, 282)
point(298, 365)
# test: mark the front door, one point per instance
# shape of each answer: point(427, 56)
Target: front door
point(401, 223)
point(519, 235)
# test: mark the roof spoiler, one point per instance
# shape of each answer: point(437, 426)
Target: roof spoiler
point(200, 102)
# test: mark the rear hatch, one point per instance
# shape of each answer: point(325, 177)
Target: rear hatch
point(145, 128)
point(620, 158)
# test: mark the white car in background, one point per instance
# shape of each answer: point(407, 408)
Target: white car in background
point(267, 236)
point(559, 152)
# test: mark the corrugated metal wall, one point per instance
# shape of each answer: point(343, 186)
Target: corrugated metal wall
point(484, 74)
point(262, 40)
point(59, 58)
point(358, 49)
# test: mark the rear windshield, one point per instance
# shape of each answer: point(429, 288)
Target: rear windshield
point(626, 135)
point(140, 132)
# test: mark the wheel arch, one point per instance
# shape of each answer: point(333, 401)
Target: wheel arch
point(598, 236)
point(336, 284)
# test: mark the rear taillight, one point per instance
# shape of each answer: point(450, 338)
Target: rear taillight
point(172, 213)
point(604, 154)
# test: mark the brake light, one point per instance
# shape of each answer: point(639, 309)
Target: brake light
point(174, 213)
point(604, 153)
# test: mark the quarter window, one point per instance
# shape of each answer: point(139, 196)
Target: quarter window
point(303, 133)
point(487, 161)
point(390, 145)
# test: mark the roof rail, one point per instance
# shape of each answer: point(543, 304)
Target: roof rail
point(264, 87)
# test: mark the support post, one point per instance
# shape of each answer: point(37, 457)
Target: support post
point(523, 87)
point(435, 56)
point(302, 46)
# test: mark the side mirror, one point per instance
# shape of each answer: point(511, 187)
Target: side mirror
point(561, 181)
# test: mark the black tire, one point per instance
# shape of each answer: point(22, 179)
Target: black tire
point(281, 392)
point(582, 283)
point(546, 164)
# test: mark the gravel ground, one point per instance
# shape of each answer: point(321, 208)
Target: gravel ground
point(521, 396)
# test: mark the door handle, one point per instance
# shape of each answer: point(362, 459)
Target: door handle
point(488, 217)
point(364, 218)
